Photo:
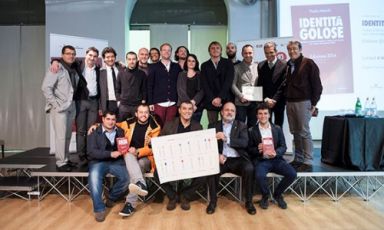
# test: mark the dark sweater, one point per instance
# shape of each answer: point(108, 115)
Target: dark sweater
point(161, 83)
point(304, 83)
point(131, 86)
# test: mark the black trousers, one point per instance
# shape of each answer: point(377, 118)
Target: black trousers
point(238, 166)
point(278, 114)
point(188, 192)
point(87, 113)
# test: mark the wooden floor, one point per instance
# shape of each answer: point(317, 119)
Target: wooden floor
point(351, 212)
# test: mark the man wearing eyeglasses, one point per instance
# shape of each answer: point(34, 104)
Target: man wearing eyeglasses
point(59, 90)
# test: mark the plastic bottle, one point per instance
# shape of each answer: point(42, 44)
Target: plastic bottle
point(373, 108)
point(358, 107)
point(367, 107)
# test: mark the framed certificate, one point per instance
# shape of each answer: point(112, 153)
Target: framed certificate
point(253, 93)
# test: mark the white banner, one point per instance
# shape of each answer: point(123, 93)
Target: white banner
point(186, 155)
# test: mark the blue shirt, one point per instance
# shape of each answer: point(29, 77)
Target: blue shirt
point(110, 135)
point(227, 150)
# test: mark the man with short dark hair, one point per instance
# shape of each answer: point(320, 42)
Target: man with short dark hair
point(154, 55)
point(303, 89)
point(245, 75)
point(59, 90)
point(131, 88)
point(216, 78)
point(108, 79)
point(182, 124)
point(232, 139)
point(267, 147)
point(106, 159)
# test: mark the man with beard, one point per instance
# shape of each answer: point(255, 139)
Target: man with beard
point(231, 51)
point(232, 139)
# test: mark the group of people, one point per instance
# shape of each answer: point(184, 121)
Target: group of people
point(141, 100)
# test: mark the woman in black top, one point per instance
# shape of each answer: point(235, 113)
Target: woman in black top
point(189, 86)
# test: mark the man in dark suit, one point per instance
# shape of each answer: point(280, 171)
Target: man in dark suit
point(232, 137)
point(216, 77)
point(108, 77)
point(181, 124)
point(271, 74)
point(267, 147)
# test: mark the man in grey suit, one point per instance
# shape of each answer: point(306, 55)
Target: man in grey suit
point(245, 75)
point(59, 90)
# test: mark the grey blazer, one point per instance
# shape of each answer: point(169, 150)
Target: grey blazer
point(57, 89)
point(243, 77)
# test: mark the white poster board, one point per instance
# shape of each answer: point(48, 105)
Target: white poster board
point(81, 44)
point(186, 155)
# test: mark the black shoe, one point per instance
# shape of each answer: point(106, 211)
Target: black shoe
point(71, 163)
point(264, 202)
point(185, 204)
point(296, 164)
point(171, 204)
point(139, 188)
point(127, 210)
point(280, 202)
point(211, 208)
point(109, 203)
point(305, 168)
point(64, 168)
point(250, 208)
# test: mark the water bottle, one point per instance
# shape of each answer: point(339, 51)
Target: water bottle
point(367, 109)
point(373, 108)
point(358, 107)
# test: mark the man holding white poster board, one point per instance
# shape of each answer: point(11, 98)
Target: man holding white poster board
point(244, 87)
point(184, 156)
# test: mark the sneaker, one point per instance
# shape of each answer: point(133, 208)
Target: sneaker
point(185, 204)
point(264, 202)
point(109, 203)
point(100, 216)
point(171, 204)
point(139, 188)
point(280, 202)
point(127, 210)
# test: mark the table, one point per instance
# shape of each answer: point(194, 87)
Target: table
point(353, 142)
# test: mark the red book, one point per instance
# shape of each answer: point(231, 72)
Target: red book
point(122, 144)
point(268, 146)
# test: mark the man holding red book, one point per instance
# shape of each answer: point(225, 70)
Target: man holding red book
point(267, 147)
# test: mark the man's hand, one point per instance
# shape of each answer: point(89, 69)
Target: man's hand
point(222, 159)
point(221, 136)
point(270, 155)
point(92, 128)
point(216, 102)
point(243, 100)
point(54, 68)
point(115, 154)
point(270, 102)
point(260, 148)
point(133, 151)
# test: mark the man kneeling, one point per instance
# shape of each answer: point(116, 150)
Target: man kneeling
point(267, 147)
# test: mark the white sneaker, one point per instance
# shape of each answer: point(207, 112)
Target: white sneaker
point(138, 188)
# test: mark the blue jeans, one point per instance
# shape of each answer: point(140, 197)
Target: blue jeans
point(277, 165)
point(97, 172)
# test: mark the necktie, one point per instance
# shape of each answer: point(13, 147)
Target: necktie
point(270, 64)
point(113, 76)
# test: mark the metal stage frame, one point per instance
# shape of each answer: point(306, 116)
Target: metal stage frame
point(334, 182)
